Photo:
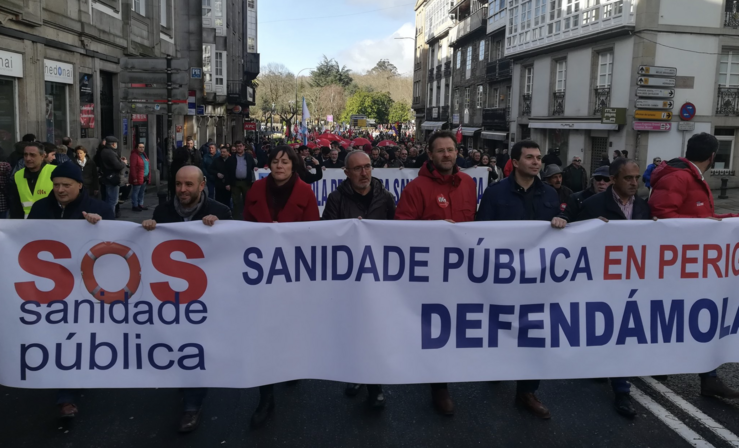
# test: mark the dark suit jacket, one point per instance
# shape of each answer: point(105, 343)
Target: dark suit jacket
point(604, 205)
point(231, 169)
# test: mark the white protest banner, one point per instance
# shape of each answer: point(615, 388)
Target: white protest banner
point(394, 180)
point(242, 304)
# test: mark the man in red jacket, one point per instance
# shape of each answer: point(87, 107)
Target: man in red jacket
point(440, 192)
point(679, 190)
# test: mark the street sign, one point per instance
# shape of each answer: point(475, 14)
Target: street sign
point(655, 104)
point(152, 94)
point(686, 126)
point(152, 78)
point(200, 110)
point(657, 71)
point(154, 64)
point(250, 126)
point(196, 73)
point(652, 115)
point(687, 111)
point(613, 115)
point(657, 82)
point(652, 126)
point(655, 93)
point(152, 108)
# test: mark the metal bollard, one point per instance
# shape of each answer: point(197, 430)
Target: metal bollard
point(724, 185)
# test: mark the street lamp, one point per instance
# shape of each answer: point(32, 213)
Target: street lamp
point(296, 89)
point(272, 118)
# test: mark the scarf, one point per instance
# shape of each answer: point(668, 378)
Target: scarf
point(277, 196)
point(188, 213)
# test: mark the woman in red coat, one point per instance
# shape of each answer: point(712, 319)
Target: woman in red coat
point(279, 197)
point(139, 176)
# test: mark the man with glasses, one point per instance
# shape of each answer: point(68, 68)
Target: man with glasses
point(600, 181)
point(574, 176)
point(647, 177)
point(361, 196)
point(440, 192)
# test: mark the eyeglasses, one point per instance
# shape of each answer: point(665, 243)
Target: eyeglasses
point(577, 160)
point(602, 178)
point(359, 169)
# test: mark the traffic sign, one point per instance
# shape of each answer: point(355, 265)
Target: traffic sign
point(153, 64)
point(196, 73)
point(657, 82)
point(687, 111)
point(652, 126)
point(152, 78)
point(152, 94)
point(655, 104)
point(655, 93)
point(657, 71)
point(152, 109)
point(652, 115)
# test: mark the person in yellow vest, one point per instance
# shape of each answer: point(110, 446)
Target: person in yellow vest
point(30, 183)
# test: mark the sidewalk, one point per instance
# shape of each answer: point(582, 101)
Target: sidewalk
point(150, 200)
point(730, 205)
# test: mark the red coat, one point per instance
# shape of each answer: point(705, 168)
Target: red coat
point(136, 173)
point(432, 196)
point(301, 206)
point(679, 192)
point(508, 168)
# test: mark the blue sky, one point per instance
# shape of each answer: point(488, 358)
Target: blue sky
point(357, 33)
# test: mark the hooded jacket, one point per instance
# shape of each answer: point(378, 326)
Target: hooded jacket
point(344, 203)
point(432, 196)
point(678, 191)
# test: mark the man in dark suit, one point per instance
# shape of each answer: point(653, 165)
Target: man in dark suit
point(239, 177)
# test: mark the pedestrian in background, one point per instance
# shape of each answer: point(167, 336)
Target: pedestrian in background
point(90, 176)
point(139, 177)
point(574, 176)
point(111, 166)
point(219, 171)
point(239, 178)
point(280, 197)
point(647, 176)
point(209, 157)
point(553, 176)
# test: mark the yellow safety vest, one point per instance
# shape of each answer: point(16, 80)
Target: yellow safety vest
point(44, 187)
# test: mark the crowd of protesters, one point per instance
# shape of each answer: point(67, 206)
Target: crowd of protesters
point(211, 184)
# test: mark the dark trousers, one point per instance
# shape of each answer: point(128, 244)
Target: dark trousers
point(238, 194)
point(193, 398)
point(527, 386)
point(66, 396)
point(710, 374)
point(223, 196)
point(620, 386)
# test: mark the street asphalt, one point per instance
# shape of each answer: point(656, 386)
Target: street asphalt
point(317, 414)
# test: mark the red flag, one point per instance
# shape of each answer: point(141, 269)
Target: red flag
point(459, 134)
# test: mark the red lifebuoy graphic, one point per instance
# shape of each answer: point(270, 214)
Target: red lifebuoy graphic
point(88, 274)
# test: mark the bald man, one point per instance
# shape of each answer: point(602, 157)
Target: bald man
point(189, 204)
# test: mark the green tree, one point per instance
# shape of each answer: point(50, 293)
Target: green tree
point(385, 67)
point(375, 105)
point(329, 72)
point(400, 111)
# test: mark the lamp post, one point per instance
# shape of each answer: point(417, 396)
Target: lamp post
point(297, 77)
point(272, 119)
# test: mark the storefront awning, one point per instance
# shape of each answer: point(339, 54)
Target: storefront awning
point(432, 125)
point(491, 135)
point(469, 131)
point(573, 124)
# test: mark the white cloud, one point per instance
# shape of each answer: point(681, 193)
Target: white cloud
point(364, 55)
point(389, 7)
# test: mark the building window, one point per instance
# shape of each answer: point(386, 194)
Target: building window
point(251, 4)
point(165, 20)
point(459, 58)
point(508, 97)
point(430, 98)
point(495, 98)
point(438, 94)
point(724, 155)
point(561, 76)
point(728, 74)
point(251, 45)
point(456, 100)
point(540, 12)
point(466, 98)
point(8, 112)
point(613, 9)
point(482, 50)
point(605, 68)
point(469, 62)
point(219, 68)
point(139, 6)
point(480, 96)
point(57, 113)
point(207, 8)
point(528, 85)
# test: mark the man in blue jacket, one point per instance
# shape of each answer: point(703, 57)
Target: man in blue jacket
point(522, 196)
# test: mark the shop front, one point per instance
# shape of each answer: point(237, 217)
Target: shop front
point(58, 77)
point(11, 69)
point(571, 138)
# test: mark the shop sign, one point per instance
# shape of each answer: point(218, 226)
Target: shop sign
point(11, 64)
point(652, 126)
point(55, 71)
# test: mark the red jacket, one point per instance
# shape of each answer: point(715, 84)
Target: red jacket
point(432, 196)
point(508, 168)
point(301, 206)
point(136, 173)
point(678, 191)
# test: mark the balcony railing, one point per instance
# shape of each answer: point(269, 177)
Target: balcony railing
point(497, 70)
point(431, 73)
point(526, 105)
point(416, 100)
point(448, 69)
point(731, 18)
point(728, 101)
point(472, 23)
point(602, 99)
point(417, 66)
point(559, 103)
point(236, 92)
point(438, 72)
point(437, 113)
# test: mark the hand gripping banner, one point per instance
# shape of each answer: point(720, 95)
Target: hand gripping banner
point(241, 304)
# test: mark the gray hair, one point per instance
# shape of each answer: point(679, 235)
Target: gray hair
point(351, 154)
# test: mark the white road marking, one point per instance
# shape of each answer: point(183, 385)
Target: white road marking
point(694, 412)
point(672, 422)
